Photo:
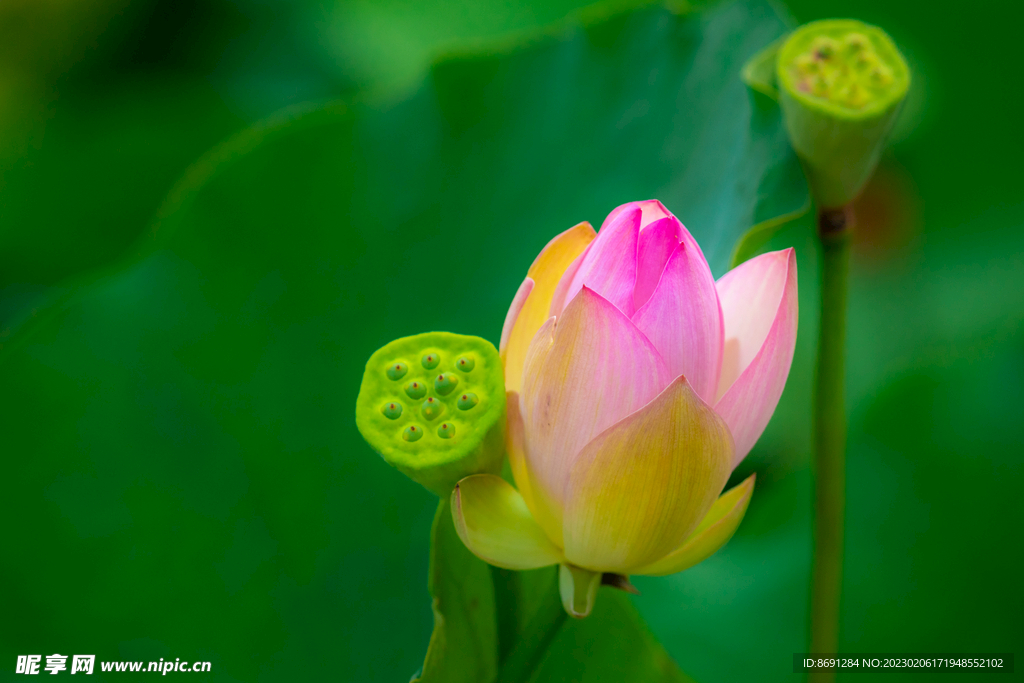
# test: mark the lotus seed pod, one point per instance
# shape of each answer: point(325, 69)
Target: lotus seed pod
point(437, 453)
point(841, 84)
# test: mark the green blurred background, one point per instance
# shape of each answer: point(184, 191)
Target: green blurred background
point(169, 491)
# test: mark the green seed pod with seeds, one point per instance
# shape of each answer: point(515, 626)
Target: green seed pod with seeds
point(433, 405)
point(841, 84)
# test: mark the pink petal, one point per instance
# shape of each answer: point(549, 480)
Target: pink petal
point(650, 209)
point(652, 213)
point(759, 306)
point(684, 320)
point(691, 244)
point(658, 241)
point(609, 266)
point(582, 374)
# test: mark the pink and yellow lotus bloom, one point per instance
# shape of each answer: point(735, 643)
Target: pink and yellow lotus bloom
point(636, 383)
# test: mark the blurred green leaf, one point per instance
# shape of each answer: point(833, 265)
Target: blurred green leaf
point(782, 197)
point(184, 426)
point(90, 181)
point(389, 43)
point(464, 644)
point(612, 645)
point(106, 102)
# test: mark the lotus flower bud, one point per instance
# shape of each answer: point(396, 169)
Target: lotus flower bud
point(636, 383)
point(433, 405)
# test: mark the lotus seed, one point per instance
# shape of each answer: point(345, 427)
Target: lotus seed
point(431, 408)
point(853, 96)
point(416, 390)
point(855, 42)
point(397, 371)
point(445, 383)
point(446, 431)
point(824, 47)
point(806, 64)
point(392, 411)
point(881, 75)
point(431, 360)
point(412, 433)
point(467, 401)
point(465, 363)
point(866, 61)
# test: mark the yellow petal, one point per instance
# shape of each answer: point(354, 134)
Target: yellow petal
point(515, 446)
point(518, 301)
point(547, 510)
point(596, 369)
point(643, 485)
point(714, 531)
point(493, 521)
point(545, 272)
point(578, 588)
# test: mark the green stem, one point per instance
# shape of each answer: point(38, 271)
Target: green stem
point(830, 437)
point(535, 640)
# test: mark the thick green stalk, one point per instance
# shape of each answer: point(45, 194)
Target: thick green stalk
point(535, 640)
point(830, 437)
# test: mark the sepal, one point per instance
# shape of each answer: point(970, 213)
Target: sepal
point(493, 521)
point(578, 588)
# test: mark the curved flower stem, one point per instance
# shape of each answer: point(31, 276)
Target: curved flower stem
point(830, 437)
point(533, 644)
